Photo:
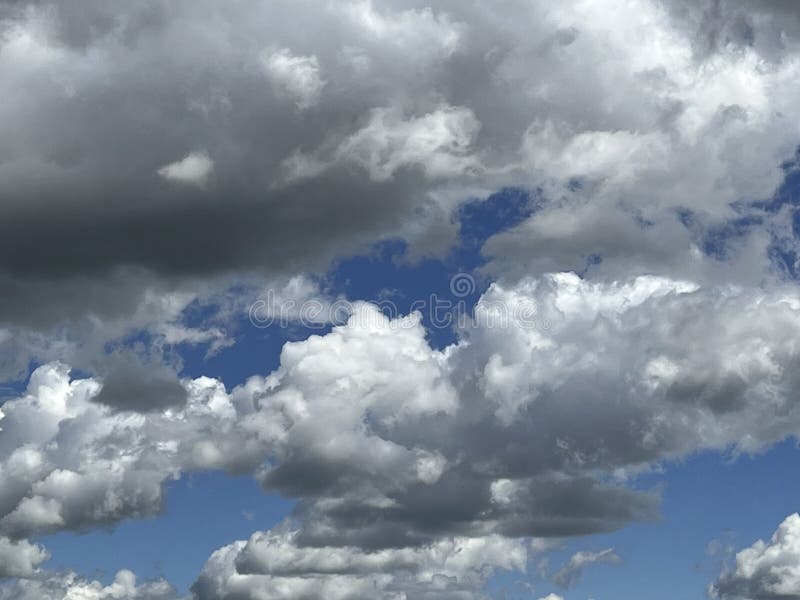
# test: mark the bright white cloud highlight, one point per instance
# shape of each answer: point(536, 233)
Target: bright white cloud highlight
point(195, 169)
point(766, 570)
point(297, 76)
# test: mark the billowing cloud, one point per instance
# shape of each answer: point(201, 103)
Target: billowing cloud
point(271, 566)
point(388, 443)
point(70, 585)
point(415, 110)
point(69, 462)
point(155, 156)
point(20, 558)
point(766, 570)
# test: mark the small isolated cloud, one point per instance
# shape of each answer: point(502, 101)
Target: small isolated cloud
point(766, 570)
point(297, 76)
point(552, 597)
point(194, 168)
point(572, 570)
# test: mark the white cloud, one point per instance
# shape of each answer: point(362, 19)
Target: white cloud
point(194, 168)
point(68, 462)
point(369, 420)
point(622, 116)
point(383, 421)
point(69, 586)
point(271, 566)
point(298, 76)
point(422, 32)
point(765, 570)
point(20, 558)
point(438, 143)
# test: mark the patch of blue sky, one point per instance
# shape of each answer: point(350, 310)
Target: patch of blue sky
point(713, 503)
point(204, 511)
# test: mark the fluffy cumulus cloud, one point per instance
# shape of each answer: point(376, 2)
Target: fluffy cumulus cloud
point(68, 461)
point(72, 587)
point(766, 570)
point(271, 566)
point(390, 444)
point(164, 160)
point(20, 558)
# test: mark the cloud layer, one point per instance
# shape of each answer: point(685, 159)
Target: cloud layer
point(233, 140)
point(160, 158)
point(390, 444)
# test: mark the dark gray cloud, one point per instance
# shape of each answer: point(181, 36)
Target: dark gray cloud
point(372, 120)
point(131, 385)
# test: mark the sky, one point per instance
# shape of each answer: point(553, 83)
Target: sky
point(399, 300)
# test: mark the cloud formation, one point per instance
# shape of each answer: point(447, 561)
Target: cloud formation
point(390, 444)
point(194, 168)
point(376, 119)
point(572, 570)
point(766, 570)
point(271, 566)
point(160, 156)
point(69, 585)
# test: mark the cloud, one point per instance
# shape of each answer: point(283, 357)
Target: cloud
point(194, 169)
point(387, 443)
point(134, 386)
point(298, 75)
point(571, 571)
point(766, 570)
point(414, 112)
point(437, 143)
point(71, 463)
point(271, 566)
point(20, 558)
point(158, 156)
point(379, 436)
point(70, 585)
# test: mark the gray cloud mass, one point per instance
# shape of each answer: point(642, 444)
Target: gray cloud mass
point(159, 158)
